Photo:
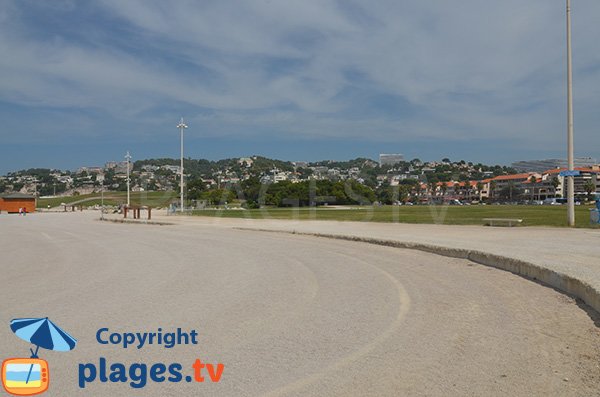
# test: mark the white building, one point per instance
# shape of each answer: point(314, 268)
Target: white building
point(173, 168)
point(548, 164)
point(390, 159)
point(245, 161)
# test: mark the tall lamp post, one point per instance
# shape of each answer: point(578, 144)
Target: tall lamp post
point(128, 158)
point(181, 127)
point(571, 165)
point(102, 197)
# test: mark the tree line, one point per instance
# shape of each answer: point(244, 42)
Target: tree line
point(305, 193)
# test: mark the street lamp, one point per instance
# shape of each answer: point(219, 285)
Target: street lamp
point(128, 158)
point(571, 165)
point(181, 127)
point(102, 197)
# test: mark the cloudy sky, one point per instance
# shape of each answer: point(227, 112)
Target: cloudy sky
point(82, 82)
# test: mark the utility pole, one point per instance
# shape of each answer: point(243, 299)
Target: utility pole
point(181, 127)
point(128, 158)
point(570, 160)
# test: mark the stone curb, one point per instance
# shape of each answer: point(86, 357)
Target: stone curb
point(141, 222)
point(560, 281)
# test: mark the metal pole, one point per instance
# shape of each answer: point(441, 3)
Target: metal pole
point(181, 127)
point(128, 158)
point(102, 198)
point(570, 179)
point(181, 169)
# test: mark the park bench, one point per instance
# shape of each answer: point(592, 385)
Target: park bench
point(502, 222)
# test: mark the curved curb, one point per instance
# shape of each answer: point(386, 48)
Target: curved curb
point(560, 281)
point(141, 222)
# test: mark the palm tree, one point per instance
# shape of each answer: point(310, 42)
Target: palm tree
point(589, 187)
point(555, 183)
point(493, 185)
point(456, 189)
point(533, 180)
point(467, 190)
point(444, 188)
point(432, 188)
point(418, 190)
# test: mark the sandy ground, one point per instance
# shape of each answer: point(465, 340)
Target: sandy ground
point(289, 315)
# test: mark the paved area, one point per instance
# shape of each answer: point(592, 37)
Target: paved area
point(573, 252)
point(290, 315)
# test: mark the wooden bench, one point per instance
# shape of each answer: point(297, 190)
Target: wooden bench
point(502, 222)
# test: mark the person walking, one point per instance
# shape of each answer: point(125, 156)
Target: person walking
point(20, 211)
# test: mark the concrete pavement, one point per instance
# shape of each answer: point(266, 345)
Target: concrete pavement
point(289, 315)
point(566, 259)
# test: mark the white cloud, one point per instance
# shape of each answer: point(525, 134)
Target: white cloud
point(473, 69)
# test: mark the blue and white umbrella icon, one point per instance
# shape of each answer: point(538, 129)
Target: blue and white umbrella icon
point(42, 333)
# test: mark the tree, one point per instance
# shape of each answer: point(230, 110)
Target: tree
point(418, 189)
point(589, 187)
point(357, 193)
point(493, 185)
point(444, 188)
point(456, 189)
point(510, 192)
point(555, 183)
point(533, 181)
point(251, 191)
point(195, 188)
point(432, 185)
point(467, 190)
point(219, 196)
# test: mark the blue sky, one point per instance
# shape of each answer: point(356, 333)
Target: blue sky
point(82, 82)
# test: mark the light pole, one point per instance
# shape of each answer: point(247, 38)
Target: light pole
point(181, 127)
point(102, 197)
point(128, 158)
point(571, 165)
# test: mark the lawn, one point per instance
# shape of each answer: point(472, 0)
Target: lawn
point(449, 215)
point(153, 199)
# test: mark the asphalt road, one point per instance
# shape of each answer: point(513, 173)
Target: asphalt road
point(288, 315)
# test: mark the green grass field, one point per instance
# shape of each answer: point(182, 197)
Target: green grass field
point(153, 199)
point(448, 215)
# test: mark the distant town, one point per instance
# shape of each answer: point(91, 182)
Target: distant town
point(391, 180)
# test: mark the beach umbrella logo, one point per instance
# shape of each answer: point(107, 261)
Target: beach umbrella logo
point(30, 376)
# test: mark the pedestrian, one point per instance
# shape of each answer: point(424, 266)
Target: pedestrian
point(24, 211)
point(20, 211)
